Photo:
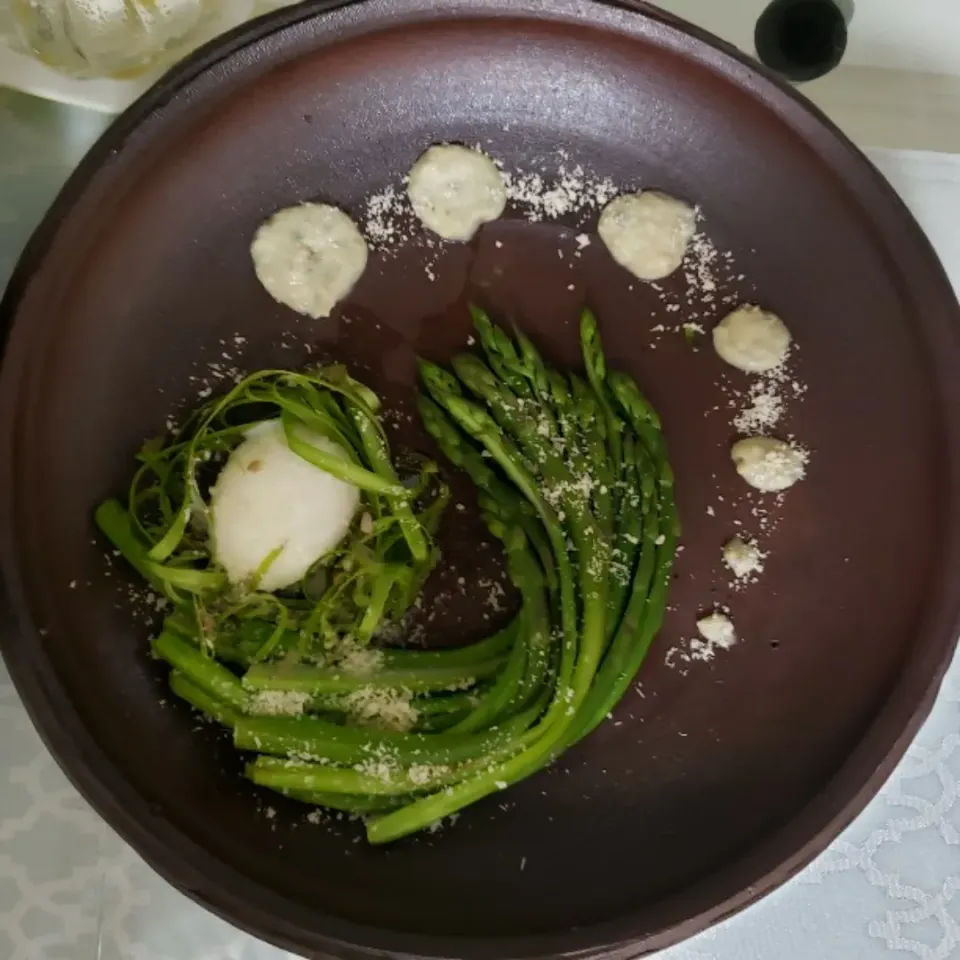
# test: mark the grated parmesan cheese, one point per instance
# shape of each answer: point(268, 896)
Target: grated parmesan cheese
point(422, 774)
point(354, 659)
point(743, 559)
point(279, 703)
point(717, 632)
point(384, 708)
point(383, 217)
point(573, 191)
point(764, 410)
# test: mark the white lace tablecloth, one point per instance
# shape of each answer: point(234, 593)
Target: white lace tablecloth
point(70, 889)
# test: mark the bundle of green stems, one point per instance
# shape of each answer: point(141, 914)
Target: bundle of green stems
point(572, 476)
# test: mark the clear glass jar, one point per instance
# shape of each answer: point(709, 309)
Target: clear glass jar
point(119, 38)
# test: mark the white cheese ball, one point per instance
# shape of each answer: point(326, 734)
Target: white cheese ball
point(266, 497)
point(718, 630)
point(647, 233)
point(742, 558)
point(455, 190)
point(769, 464)
point(309, 257)
point(752, 340)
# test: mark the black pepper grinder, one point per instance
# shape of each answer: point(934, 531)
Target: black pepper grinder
point(803, 39)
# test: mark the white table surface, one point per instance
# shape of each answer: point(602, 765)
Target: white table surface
point(70, 889)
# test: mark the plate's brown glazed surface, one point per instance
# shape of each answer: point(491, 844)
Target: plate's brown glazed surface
point(710, 787)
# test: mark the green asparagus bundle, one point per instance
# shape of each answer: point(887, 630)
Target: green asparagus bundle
point(572, 476)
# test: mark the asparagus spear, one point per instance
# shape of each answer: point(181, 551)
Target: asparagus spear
point(496, 496)
point(500, 350)
point(524, 673)
point(327, 681)
point(202, 671)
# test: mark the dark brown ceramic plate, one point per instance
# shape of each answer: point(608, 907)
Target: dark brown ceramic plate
point(712, 786)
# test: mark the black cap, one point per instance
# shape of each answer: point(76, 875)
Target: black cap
point(801, 39)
